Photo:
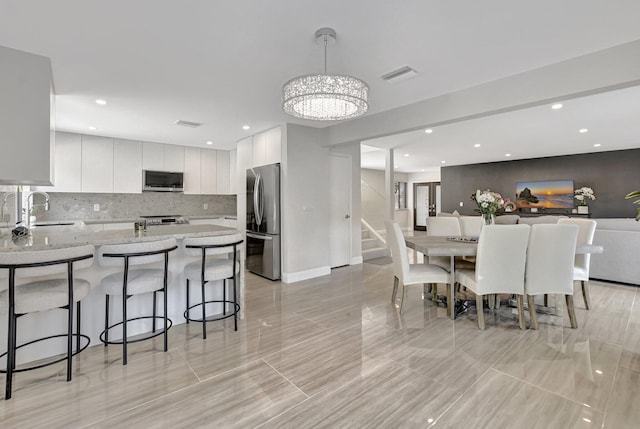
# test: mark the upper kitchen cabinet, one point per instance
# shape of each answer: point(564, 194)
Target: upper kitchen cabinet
point(68, 161)
point(244, 160)
point(162, 157)
point(127, 166)
point(222, 172)
point(97, 164)
point(191, 170)
point(26, 119)
point(273, 146)
point(259, 149)
point(208, 171)
point(233, 188)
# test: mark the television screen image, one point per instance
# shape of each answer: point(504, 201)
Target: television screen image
point(550, 194)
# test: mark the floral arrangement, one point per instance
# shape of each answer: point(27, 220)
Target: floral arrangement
point(583, 194)
point(634, 194)
point(488, 202)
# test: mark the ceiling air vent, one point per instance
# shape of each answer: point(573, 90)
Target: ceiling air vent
point(188, 124)
point(403, 73)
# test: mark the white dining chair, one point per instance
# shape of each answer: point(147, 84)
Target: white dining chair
point(549, 270)
point(581, 264)
point(405, 273)
point(470, 226)
point(500, 266)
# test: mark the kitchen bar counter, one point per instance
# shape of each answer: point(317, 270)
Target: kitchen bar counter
point(52, 322)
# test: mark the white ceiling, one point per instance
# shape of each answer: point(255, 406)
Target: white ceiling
point(223, 63)
point(612, 121)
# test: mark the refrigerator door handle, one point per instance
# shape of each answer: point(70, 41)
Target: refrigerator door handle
point(256, 205)
point(261, 198)
point(260, 237)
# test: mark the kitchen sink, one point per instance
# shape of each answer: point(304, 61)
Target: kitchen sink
point(53, 224)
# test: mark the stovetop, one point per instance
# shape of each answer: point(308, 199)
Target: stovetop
point(166, 220)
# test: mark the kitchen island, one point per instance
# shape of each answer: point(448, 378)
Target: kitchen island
point(52, 322)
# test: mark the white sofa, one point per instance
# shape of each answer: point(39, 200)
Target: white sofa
point(620, 260)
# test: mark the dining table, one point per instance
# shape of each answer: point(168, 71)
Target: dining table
point(461, 246)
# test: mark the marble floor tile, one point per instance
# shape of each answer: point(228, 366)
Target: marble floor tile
point(623, 409)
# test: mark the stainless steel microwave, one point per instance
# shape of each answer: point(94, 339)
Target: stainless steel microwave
point(162, 181)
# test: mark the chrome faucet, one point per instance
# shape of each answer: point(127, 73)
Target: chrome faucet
point(4, 205)
point(30, 204)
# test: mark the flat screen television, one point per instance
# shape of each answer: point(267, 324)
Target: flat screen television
point(548, 194)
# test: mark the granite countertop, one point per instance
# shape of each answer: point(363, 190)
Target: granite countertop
point(55, 237)
point(134, 219)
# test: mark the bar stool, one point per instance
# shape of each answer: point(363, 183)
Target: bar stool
point(131, 282)
point(44, 294)
point(211, 268)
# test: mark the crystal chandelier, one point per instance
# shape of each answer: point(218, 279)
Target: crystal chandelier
point(325, 97)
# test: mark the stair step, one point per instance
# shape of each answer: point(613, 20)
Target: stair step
point(366, 233)
point(370, 243)
point(376, 252)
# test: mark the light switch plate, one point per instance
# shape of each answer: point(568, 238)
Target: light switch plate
point(96, 207)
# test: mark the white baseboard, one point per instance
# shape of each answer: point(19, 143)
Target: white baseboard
point(305, 275)
point(357, 260)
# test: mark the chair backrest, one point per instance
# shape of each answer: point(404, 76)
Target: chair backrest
point(501, 259)
point(470, 226)
point(550, 256)
point(225, 241)
point(507, 219)
point(586, 231)
point(46, 256)
point(443, 226)
point(158, 247)
point(398, 247)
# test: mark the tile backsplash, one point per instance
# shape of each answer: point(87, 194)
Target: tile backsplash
point(63, 206)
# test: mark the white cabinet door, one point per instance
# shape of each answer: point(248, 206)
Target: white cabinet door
point(173, 158)
point(273, 146)
point(191, 170)
point(97, 164)
point(233, 180)
point(127, 166)
point(244, 158)
point(208, 175)
point(153, 156)
point(259, 149)
point(68, 164)
point(222, 171)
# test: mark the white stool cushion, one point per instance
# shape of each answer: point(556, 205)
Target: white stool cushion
point(45, 295)
point(138, 281)
point(215, 269)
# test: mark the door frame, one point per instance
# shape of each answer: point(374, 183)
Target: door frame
point(432, 193)
point(349, 159)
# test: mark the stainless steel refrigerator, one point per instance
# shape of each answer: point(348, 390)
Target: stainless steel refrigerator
point(263, 221)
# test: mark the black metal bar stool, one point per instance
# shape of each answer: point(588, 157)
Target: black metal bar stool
point(44, 294)
point(131, 282)
point(212, 267)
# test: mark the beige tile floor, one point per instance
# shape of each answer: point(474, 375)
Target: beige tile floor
point(334, 352)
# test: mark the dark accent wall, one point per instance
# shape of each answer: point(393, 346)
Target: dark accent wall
point(611, 175)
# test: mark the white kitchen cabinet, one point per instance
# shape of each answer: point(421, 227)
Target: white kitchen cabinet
point(191, 170)
point(244, 160)
point(259, 149)
point(26, 112)
point(232, 172)
point(97, 164)
point(153, 156)
point(173, 158)
point(273, 146)
point(208, 175)
point(127, 166)
point(222, 171)
point(68, 164)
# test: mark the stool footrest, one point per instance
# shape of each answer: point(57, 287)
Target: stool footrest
point(213, 317)
point(138, 337)
point(63, 358)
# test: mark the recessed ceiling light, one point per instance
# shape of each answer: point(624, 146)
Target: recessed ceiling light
point(557, 106)
point(246, 127)
point(507, 155)
point(92, 128)
point(101, 102)
point(597, 145)
point(583, 130)
point(406, 155)
point(428, 131)
point(442, 162)
point(209, 142)
point(476, 145)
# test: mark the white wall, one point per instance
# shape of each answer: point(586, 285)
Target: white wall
point(305, 203)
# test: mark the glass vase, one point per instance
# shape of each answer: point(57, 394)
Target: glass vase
point(488, 218)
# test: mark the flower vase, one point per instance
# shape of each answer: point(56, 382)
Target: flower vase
point(583, 209)
point(488, 219)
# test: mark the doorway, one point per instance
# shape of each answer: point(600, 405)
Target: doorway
point(340, 210)
point(426, 202)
